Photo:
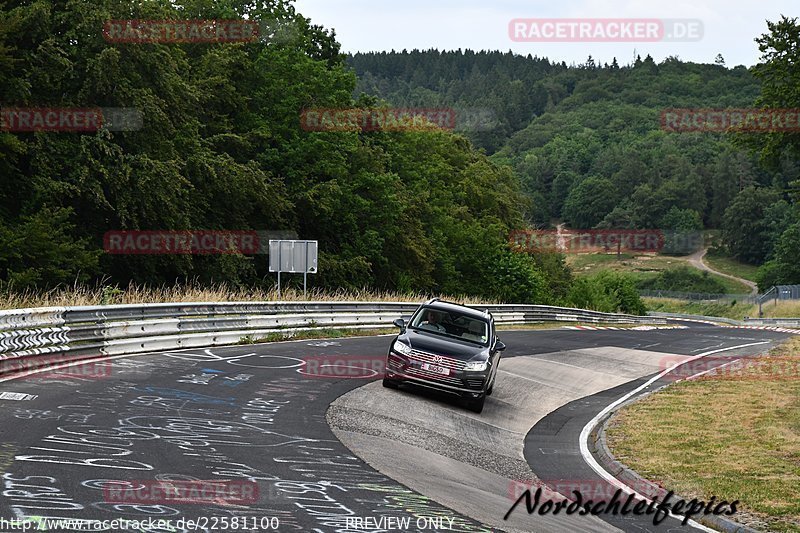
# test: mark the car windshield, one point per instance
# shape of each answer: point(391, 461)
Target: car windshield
point(451, 324)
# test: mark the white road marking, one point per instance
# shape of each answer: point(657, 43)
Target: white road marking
point(19, 396)
point(587, 429)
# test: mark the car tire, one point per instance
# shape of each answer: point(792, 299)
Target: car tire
point(390, 383)
point(490, 390)
point(476, 405)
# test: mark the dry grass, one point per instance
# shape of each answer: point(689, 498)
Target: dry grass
point(138, 294)
point(784, 309)
point(735, 436)
point(641, 267)
point(627, 262)
point(728, 265)
point(721, 309)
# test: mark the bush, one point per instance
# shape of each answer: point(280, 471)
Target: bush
point(40, 250)
point(684, 279)
point(609, 292)
point(515, 278)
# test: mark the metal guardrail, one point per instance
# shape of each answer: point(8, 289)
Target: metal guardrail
point(699, 318)
point(779, 322)
point(32, 338)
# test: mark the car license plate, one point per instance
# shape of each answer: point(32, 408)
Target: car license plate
point(436, 369)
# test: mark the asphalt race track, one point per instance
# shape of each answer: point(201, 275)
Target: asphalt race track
point(316, 453)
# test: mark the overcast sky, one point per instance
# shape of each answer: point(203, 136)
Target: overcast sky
point(729, 26)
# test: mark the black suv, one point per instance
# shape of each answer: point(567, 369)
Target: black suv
point(448, 347)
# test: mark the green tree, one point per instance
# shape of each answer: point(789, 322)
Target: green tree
point(779, 72)
point(41, 249)
point(784, 268)
point(589, 202)
point(682, 219)
point(751, 223)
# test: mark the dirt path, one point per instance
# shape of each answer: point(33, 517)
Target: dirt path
point(696, 260)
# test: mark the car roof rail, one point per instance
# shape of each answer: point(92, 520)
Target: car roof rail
point(447, 302)
point(484, 311)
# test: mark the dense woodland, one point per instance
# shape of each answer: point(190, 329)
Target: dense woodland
point(222, 148)
point(587, 144)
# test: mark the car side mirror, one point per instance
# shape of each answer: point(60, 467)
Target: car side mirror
point(400, 323)
point(499, 346)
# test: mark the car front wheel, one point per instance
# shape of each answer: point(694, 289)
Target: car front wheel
point(476, 404)
point(490, 390)
point(390, 383)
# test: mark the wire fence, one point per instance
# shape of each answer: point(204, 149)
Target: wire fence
point(699, 296)
point(788, 292)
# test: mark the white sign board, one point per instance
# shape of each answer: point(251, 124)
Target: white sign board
point(294, 257)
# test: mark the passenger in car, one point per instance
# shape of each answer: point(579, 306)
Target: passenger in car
point(475, 332)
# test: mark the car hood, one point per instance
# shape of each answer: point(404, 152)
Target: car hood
point(449, 347)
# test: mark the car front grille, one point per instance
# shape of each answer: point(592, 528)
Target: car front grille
point(402, 364)
point(438, 360)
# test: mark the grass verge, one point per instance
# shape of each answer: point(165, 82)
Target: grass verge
point(784, 309)
point(734, 310)
point(730, 266)
point(642, 267)
point(736, 437)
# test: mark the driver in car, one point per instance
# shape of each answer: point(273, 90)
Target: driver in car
point(433, 323)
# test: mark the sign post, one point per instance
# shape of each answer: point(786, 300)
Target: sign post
point(293, 256)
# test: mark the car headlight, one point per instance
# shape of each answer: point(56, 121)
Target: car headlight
point(476, 366)
point(399, 347)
